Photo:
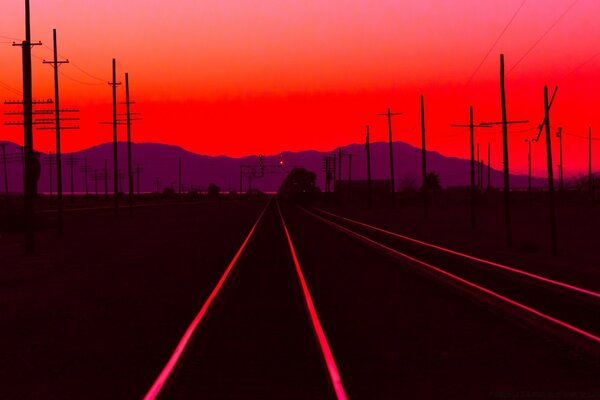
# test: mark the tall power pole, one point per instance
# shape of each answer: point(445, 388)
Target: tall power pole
point(29, 161)
point(369, 188)
point(505, 122)
point(425, 186)
point(389, 115)
point(560, 156)
point(129, 161)
point(507, 216)
point(471, 127)
point(114, 85)
point(550, 175)
point(59, 188)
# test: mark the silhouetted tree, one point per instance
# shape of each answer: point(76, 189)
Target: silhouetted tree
point(213, 191)
point(432, 182)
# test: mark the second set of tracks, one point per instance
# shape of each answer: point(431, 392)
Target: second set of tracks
point(260, 334)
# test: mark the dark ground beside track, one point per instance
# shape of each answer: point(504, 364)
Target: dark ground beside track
point(398, 334)
point(96, 314)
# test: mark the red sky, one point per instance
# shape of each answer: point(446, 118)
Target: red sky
point(248, 77)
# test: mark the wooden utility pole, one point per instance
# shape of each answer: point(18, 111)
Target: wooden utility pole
point(369, 188)
point(550, 176)
point(59, 187)
point(507, 216)
point(29, 162)
point(114, 85)
point(471, 127)
point(560, 165)
point(505, 122)
point(424, 184)
point(129, 161)
point(389, 115)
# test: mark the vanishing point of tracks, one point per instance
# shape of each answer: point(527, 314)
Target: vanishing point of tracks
point(410, 319)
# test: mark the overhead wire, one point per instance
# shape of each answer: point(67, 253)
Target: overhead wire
point(496, 42)
point(538, 41)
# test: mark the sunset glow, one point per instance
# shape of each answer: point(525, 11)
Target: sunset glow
point(239, 78)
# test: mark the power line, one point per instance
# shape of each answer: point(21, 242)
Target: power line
point(80, 68)
point(496, 42)
point(79, 81)
point(544, 35)
point(579, 136)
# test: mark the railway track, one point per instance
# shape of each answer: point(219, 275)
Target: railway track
point(567, 310)
point(258, 334)
point(378, 326)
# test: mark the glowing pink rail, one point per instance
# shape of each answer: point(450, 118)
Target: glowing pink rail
point(168, 369)
point(462, 280)
point(327, 354)
point(467, 256)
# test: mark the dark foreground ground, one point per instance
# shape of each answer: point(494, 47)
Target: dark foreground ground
point(97, 313)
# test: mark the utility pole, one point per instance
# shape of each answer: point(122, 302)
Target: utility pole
point(59, 188)
point(157, 183)
point(425, 186)
point(389, 115)
point(5, 171)
point(471, 127)
point(29, 158)
point(369, 188)
point(129, 165)
point(114, 85)
point(550, 177)
point(560, 166)
point(505, 123)
point(505, 155)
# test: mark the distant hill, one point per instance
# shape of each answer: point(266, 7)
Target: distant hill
point(159, 165)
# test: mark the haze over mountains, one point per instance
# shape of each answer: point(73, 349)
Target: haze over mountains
point(159, 165)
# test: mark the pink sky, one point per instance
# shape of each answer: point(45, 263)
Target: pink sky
point(241, 77)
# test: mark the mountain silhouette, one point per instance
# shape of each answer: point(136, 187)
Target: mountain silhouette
point(159, 164)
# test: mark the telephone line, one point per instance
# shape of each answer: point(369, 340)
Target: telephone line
point(543, 35)
point(496, 42)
